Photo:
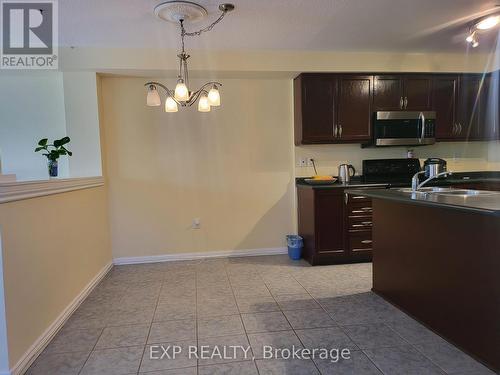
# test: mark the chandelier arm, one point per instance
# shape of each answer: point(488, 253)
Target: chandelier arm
point(195, 95)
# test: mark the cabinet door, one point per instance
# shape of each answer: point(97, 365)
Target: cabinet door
point(417, 93)
point(329, 218)
point(468, 107)
point(445, 90)
point(388, 93)
point(354, 108)
point(488, 128)
point(317, 108)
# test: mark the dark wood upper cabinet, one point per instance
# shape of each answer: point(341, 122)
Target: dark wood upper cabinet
point(489, 110)
point(354, 108)
point(338, 108)
point(402, 92)
point(445, 90)
point(332, 108)
point(417, 93)
point(387, 93)
point(314, 96)
point(468, 107)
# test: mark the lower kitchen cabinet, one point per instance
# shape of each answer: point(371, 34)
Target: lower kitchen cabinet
point(336, 227)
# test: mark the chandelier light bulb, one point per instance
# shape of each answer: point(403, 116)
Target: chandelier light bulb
point(470, 38)
point(181, 91)
point(153, 99)
point(203, 104)
point(475, 43)
point(170, 105)
point(214, 97)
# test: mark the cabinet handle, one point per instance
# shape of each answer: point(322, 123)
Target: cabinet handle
point(460, 128)
point(366, 241)
point(366, 222)
point(361, 211)
point(340, 131)
point(454, 131)
point(346, 198)
point(406, 102)
point(335, 131)
point(358, 197)
point(366, 208)
point(401, 102)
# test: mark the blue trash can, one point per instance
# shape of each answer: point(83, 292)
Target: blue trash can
point(295, 244)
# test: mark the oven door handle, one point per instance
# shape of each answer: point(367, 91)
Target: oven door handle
point(422, 119)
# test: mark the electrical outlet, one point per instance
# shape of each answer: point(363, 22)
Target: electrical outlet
point(310, 162)
point(196, 224)
point(302, 162)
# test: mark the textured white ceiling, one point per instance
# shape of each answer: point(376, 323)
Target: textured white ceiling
point(326, 25)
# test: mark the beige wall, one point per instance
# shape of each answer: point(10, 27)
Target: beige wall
point(232, 168)
point(53, 246)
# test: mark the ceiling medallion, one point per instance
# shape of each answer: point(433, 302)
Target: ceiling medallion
point(180, 12)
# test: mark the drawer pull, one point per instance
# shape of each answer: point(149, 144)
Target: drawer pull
point(366, 241)
point(358, 197)
point(360, 212)
point(366, 222)
point(366, 208)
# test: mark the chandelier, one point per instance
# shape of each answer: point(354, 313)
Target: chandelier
point(208, 94)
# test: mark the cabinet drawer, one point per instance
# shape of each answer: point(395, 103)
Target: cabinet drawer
point(354, 198)
point(360, 223)
point(361, 242)
point(359, 209)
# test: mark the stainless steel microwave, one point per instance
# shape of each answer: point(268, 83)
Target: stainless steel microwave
point(404, 128)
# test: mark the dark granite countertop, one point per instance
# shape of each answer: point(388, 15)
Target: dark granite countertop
point(488, 203)
point(454, 179)
point(355, 183)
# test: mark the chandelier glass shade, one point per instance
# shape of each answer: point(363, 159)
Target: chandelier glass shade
point(207, 95)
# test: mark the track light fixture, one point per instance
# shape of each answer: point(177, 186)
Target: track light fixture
point(481, 25)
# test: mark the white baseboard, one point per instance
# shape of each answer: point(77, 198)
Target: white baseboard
point(39, 345)
point(200, 255)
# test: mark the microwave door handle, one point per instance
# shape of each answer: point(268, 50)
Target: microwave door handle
point(422, 118)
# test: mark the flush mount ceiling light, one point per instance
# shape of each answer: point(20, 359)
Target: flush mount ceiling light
point(208, 94)
point(482, 25)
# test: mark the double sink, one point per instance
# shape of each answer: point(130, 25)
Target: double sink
point(449, 191)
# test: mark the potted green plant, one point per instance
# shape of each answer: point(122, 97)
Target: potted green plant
point(53, 152)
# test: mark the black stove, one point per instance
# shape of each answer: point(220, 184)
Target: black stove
point(390, 171)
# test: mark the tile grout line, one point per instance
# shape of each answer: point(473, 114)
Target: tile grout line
point(241, 319)
point(151, 323)
point(196, 314)
point(291, 326)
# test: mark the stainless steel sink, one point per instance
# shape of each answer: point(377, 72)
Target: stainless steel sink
point(449, 191)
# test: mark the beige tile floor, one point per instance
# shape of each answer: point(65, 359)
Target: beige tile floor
point(252, 301)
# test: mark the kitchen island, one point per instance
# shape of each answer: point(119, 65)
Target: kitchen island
point(437, 257)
